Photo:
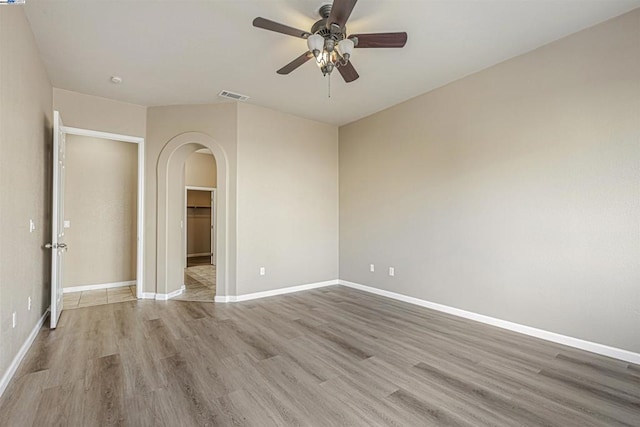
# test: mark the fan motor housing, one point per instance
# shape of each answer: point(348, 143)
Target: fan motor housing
point(333, 31)
point(336, 33)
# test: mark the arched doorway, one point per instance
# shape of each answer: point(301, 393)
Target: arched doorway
point(170, 209)
point(199, 227)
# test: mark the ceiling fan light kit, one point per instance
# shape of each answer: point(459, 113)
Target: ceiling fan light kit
point(328, 42)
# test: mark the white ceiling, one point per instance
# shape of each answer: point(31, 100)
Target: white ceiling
point(185, 52)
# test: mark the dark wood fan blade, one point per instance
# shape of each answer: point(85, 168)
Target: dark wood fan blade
point(348, 73)
point(295, 63)
point(279, 28)
point(380, 40)
point(340, 12)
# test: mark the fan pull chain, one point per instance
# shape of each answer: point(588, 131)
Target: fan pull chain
point(329, 79)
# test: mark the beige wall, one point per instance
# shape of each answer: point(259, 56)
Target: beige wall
point(287, 213)
point(100, 202)
point(512, 193)
point(200, 170)
point(100, 114)
point(25, 150)
point(287, 200)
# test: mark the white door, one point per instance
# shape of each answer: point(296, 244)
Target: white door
point(57, 245)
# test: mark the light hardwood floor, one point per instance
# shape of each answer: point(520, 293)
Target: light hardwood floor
point(331, 356)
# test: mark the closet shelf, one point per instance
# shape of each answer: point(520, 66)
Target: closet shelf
point(198, 206)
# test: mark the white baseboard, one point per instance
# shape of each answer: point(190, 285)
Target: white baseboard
point(605, 350)
point(148, 295)
point(280, 291)
point(13, 367)
point(98, 286)
point(165, 297)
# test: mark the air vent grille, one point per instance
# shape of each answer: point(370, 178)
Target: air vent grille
point(232, 95)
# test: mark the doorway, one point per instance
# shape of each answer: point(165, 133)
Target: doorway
point(170, 260)
point(134, 214)
point(200, 178)
point(100, 221)
point(200, 226)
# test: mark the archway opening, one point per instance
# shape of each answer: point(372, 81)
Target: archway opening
point(200, 178)
point(171, 210)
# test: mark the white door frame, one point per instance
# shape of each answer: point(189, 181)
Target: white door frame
point(213, 221)
point(214, 227)
point(140, 222)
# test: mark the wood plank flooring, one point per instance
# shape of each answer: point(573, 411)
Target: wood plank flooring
point(327, 357)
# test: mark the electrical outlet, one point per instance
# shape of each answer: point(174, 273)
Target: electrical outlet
point(262, 271)
point(372, 268)
point(29, 304)
point(14, 319)
point(32, 226)
point(392, 271)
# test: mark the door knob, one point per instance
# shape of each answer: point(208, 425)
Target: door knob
point(56, 246)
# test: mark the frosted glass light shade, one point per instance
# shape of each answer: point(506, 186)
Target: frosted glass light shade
point(315, 42)
point(346, 47)
point(323, 58)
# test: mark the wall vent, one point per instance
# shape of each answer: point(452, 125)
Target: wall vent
point(234, 96)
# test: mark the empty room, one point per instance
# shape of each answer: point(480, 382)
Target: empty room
point(320, 213)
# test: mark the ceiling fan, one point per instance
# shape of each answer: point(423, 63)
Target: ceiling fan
point(328, 42)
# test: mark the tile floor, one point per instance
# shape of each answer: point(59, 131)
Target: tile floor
point(200, 284)
point(199, 280)
point(98, 297)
